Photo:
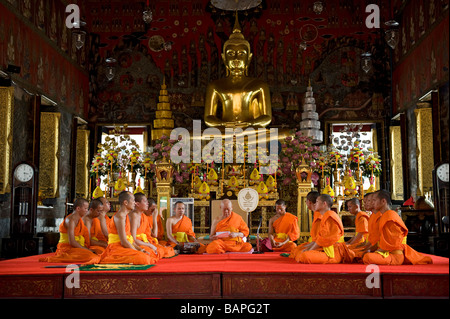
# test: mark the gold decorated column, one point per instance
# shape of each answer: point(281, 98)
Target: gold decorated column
point(164, 178)
point(424, 151)
point(303, 173)
point(82, 164)
point(49, 155)
point(6, 135)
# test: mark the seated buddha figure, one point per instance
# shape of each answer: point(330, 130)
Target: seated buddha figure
point(237, 100)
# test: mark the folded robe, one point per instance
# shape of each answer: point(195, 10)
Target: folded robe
point(65, 253)
point(284, 227)
point(233, 223)
point(115, 253)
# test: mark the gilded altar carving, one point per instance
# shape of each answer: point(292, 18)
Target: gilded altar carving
point(6, 134)
point(396, 162)
point(49, 155)
point(82, 164)
point(425, 160)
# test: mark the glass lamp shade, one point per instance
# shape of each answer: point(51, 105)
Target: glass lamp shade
point(366, 62)
point(110, 73)
point(392, 34)
point(110, 68)
point(79, 38)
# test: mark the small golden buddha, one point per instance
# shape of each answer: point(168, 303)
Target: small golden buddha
point(237, 100)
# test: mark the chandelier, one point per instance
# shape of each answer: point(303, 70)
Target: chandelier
point(78, 34)
point(235, 5)
point(392, 35)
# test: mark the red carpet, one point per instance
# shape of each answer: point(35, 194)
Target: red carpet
point(256, 263)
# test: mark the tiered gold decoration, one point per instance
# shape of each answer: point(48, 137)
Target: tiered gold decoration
point(164, 123)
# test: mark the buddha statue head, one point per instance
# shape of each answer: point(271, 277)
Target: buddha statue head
point(236, 52)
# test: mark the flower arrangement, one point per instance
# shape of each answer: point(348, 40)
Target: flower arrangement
point(356, 157)
point(295, 150)
point(372, 164)
point(98, 167)
point(334, 159)
point(161, 150)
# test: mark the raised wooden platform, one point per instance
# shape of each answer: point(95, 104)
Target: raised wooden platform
point(229, 276)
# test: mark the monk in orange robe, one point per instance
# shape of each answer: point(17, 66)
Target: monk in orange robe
point(228, 231)
point(155, 219)
point(392, 248)
point(92, 223)
point(122, 249)
point(73, 246)
point(311, 199)
point(141, 232)
point(283, 229)
point(104, 218)
point(361, 223)
point(329, 246)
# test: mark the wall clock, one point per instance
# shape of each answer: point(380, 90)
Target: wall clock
point(441, 196)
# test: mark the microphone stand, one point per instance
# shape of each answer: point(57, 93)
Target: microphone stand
point(258, 244)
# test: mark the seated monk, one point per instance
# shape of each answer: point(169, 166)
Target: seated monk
point(121, 247)
point(361, 223)
point(92, 223)
point(329, 246)
point(283, 229)
point(373, 236)
point(155, 221)
point(73, 246)
point(104, 218)
point(234, 228)
point(179, 228)
point(392, 248)
point(311, 198)
point(141, 232)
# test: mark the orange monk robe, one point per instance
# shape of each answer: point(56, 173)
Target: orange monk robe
point(233, 223)
point(361, 227)
point(115, 253)
point(97, 234)
point(181, 230)
point(284, 227)
point(330, 238)
point(160, 236)
point(392, 240)
point(313, 234)
point(144, 233)
point(65, 253)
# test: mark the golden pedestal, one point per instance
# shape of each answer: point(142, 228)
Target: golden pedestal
point(164, 178)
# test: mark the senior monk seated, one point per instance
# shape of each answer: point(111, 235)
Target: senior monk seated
point(283, 229)
point(73, 246)
point(122, 249)
point(391, 233)
point(228, 231)
point(140, 229)
point(329, 246)
point(361, 222)
point(92, 223)
point(311, 199)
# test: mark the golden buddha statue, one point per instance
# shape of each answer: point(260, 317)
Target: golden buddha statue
point(237, 100)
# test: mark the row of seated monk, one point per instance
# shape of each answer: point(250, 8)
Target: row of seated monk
point(89, 236)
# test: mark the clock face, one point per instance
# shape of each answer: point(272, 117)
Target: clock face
point(24, 173)
point(442, 172)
